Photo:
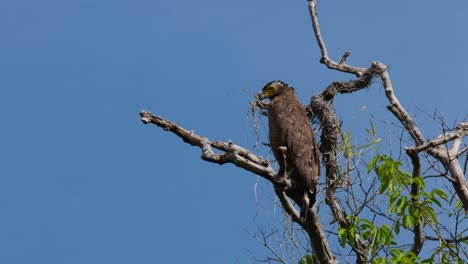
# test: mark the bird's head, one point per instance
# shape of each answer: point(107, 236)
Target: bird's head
point(273, 89)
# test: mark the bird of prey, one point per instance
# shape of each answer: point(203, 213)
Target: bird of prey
point(292, 142)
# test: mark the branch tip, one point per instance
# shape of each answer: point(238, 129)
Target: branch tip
point(345, 57)
point(145, 117)
point(145, 120)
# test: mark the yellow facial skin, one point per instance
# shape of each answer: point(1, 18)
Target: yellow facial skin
point(268, 91)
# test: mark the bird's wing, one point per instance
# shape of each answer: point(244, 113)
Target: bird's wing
point(302, 149)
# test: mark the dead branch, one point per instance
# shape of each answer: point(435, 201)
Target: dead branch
point(245, 159)
point(288, 206)
point(341, 66)
point(264, 241)
point(322, 108)
point(442, 154)
point(418, 239)
point(449, 158)
point(433, 143)
point(396, 108)
point(233, 153)
point(448, 240)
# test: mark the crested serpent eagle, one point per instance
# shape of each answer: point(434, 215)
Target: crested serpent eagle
point(292, 142)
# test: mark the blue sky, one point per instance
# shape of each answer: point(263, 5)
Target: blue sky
point(83, 181)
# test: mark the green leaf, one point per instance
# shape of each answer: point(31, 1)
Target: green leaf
point(396, 228)
point(392, 201)
point(401, 205)
point(408, 221)
point(415, 209)
point(366, 224)
point(441, 194)
point(384, 235)
point(374, 131)
point(396, 252)
point(430, 214)
point(405, 177)
point(434, 200)
point(309, 259)
point(367, 228)
point(371, 164)
point(429, 260)
point(342, 236)
point(419, 181)
point(384, 185)
point(379, 260)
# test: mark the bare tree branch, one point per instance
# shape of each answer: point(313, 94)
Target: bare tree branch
point(341, 66)
point(448, 240)
point(288, 206)
point(264, 241)
point(321, 106)
point(396, 108)
point(449, 158)
point(433, 143)
point(418, 239)
point(441, 153)
point(245, 159)
point(234, 154)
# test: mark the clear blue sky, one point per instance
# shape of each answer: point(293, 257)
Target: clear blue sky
point(82, 180)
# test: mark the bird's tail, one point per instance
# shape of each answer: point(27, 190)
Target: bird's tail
point(308, 201)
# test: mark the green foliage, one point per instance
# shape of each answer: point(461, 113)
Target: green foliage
point(398, 256)
point(444, 256)
point(309, 259)
point(372, 140)
point(411, 209)
point(401, 257)
point(349, 150)
point(392, 178)
point(409, 203)
point(366, 230)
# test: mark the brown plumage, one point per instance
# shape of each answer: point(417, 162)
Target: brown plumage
point(291, 136)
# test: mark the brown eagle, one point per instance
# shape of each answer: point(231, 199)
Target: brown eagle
point(293, 142)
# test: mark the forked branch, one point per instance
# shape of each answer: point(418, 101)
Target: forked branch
point(243, 158)
point(434, 147)
point(233, 153)
point(331, 64)
point(323, 109)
